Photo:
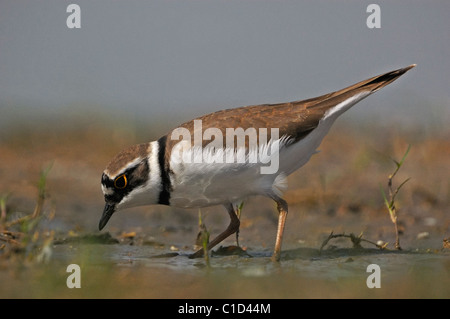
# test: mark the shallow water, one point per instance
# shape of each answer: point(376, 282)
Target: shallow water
point(124, 271)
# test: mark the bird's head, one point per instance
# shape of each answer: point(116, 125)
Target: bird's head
point(129, 181)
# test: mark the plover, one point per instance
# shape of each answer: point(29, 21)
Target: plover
point(224, 157)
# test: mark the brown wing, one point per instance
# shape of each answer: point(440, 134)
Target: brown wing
point(294, 119)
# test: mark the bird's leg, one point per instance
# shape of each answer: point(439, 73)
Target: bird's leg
point(238, 215)
point(282, 207)
point(237, 237)
point(231, 229)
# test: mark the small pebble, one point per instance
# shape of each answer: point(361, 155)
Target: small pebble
point(423, 235)
point(381, 243)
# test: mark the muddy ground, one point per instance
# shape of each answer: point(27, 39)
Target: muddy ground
point(143, 252)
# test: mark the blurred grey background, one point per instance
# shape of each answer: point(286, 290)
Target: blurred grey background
point(173, 60)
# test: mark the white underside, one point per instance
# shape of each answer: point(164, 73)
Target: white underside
point(205, 184)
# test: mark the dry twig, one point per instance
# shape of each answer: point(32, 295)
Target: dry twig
point(356, 240)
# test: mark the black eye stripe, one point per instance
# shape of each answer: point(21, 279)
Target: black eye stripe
point(109, 183)
point(133, 177)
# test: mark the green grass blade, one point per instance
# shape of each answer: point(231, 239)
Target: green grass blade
point(404, 156)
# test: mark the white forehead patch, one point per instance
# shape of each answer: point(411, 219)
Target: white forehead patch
point(106, 190)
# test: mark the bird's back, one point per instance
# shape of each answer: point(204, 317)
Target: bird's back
point(294, 119)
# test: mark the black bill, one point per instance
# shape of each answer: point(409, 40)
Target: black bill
point(107, 213)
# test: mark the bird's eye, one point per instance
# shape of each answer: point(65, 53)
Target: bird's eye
point(120, 182)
